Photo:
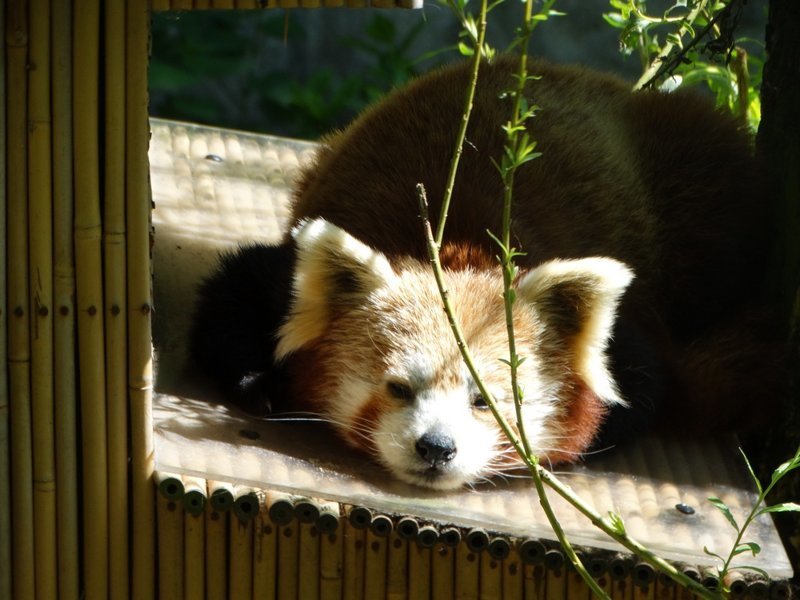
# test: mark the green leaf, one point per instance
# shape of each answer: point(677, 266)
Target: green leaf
point(465, 49)
point(714, 554)
point(747, 547)
point(783, 507)
point(616, 523)
point(752, 472)
point(723, 508)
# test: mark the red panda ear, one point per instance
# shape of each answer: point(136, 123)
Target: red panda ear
point(332, 270)
point(577, 301)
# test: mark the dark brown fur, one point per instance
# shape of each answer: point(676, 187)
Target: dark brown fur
point(661, 182)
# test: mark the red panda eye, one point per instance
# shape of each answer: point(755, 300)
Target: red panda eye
point(478, 401)
point(399, 390)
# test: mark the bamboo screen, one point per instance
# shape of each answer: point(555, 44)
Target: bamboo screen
point(81, 513)
point(77, 511)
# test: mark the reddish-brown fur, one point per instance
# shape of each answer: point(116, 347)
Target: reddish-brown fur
point(663, 183)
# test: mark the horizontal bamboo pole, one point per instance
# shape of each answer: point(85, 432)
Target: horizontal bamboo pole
point(5, 468)
point(140, 359)
point(114, 253)
point(17, 282)
point(64, 325)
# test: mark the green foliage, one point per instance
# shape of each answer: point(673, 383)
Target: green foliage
point(692, 42)
point(759, 509)
point(220, 78)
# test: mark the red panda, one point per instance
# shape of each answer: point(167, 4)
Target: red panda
point(643, 240)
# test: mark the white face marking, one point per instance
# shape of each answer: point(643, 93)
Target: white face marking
point(408, 341)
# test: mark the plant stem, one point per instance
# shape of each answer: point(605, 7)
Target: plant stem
point(657, 66)
point(465, 115)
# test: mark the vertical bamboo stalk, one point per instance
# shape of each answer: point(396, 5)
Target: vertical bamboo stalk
point(442, 572)
point(170, 548)
point(375, 565)
point(140, 358)
point(397, 568)
point(353, 573)
point(330, 560)
point(216, 559)
point(40, 241)
point(265, 557)
point(194, 560)
point(65, 393)
point(288, 547)
point(512, 577)
point(5, 469)
point(240, 582)
point(308, 562)
point(491, 578)
point(419, 571)
point(18, 324)
point(89, 278)
point(114, 248)
point(467, 567)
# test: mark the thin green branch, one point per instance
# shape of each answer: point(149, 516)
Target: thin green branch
point(465, 116)
point(610, 528)
point(657, 65)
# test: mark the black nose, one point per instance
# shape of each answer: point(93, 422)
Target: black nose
point(436, 448)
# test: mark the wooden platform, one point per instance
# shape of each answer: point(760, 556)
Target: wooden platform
point(214, 188)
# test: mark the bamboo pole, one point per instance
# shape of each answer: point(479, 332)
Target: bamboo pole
point(288, 547)
point(419, 571)
point(18, 324)
point(114, 251)
point(265, 557)
point(467, 569)
point(512, 577)
point(376, 552)
point(216, 561)
point(442, 572)
point(65, 393)
point(240, 581)
point(140, 359)
point(40, 242)
point(308, 562)
point(170, 548)
point(397, 568)
point(89, 278)
point(353, 552)
point(194, 557)
point(5, 468)
point(330, 573)
point(491, 578)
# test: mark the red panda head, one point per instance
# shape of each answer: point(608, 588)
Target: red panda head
point(390, 376)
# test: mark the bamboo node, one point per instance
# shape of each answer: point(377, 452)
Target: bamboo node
point(43, 312)
point(145, 309)
point(19, 312)
point(92, 310)
point(63, 311)
point(115, 310)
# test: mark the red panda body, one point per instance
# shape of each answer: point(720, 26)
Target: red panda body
point(642, 235)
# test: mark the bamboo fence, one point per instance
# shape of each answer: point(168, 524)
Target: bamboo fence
point(81, 512)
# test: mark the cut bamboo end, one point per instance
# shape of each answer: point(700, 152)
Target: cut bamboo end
point(220, 494)
point(169, 485)
point(194, 495)
point(246, 503)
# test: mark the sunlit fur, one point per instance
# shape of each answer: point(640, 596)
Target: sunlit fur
point(375, 324)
